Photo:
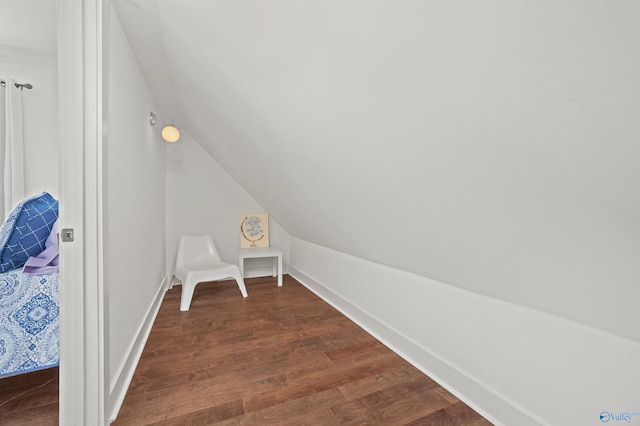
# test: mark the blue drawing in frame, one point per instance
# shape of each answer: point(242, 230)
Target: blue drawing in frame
point(254, 230)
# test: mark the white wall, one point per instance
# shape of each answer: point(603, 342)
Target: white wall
point(202, 198)
point(515, 365)
point(40, 114)
point(134, 211)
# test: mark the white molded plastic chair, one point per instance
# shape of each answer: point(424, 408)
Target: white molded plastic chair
point(197, 261)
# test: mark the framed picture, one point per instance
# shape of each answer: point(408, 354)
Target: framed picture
point(254, 230)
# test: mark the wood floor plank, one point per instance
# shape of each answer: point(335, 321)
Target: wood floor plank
point(359, 347)
point(30, 399)
point(458, 414)
point(395, 404)
point(380, 381)
point(311, 409)
point(20, 380)
point(207, 416)
point(43, 415)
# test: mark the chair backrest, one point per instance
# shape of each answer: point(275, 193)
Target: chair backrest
point(194, 249)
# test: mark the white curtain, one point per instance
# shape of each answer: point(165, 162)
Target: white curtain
point(11, 147)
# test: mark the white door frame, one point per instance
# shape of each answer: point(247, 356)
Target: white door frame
point(83, 369)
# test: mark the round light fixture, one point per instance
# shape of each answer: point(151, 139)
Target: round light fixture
point(170, 134)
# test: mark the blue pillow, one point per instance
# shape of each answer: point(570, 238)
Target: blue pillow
point(26, 229)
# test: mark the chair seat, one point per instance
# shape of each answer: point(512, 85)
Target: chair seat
point(203, 266)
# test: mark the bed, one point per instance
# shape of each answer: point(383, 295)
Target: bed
point(29, 327)
point(29, 287)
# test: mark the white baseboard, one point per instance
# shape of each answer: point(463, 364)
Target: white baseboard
point(127, 368)
point(488, 404)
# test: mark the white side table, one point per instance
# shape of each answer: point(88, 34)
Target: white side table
point(250, 253)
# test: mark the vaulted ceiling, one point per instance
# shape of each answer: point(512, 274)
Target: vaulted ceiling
point(484, 144)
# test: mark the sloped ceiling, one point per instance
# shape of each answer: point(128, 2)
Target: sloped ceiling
point(490, 145)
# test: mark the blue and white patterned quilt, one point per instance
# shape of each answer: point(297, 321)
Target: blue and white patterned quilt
point(29, 326)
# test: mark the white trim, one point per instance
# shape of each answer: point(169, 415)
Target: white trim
point(82, 337)
point(444, 373)
point(95, 309)
point(126, 369)
point(72, 382)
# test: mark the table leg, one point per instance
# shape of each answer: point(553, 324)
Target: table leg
point(274, 266)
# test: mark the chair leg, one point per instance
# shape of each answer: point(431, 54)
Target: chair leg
point(241, 285)
point(187, 294)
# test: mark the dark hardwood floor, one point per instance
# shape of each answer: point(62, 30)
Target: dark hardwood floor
point(30, 399)
point(280, 356)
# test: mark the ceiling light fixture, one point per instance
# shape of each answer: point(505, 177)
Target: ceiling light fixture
point(170, 134)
